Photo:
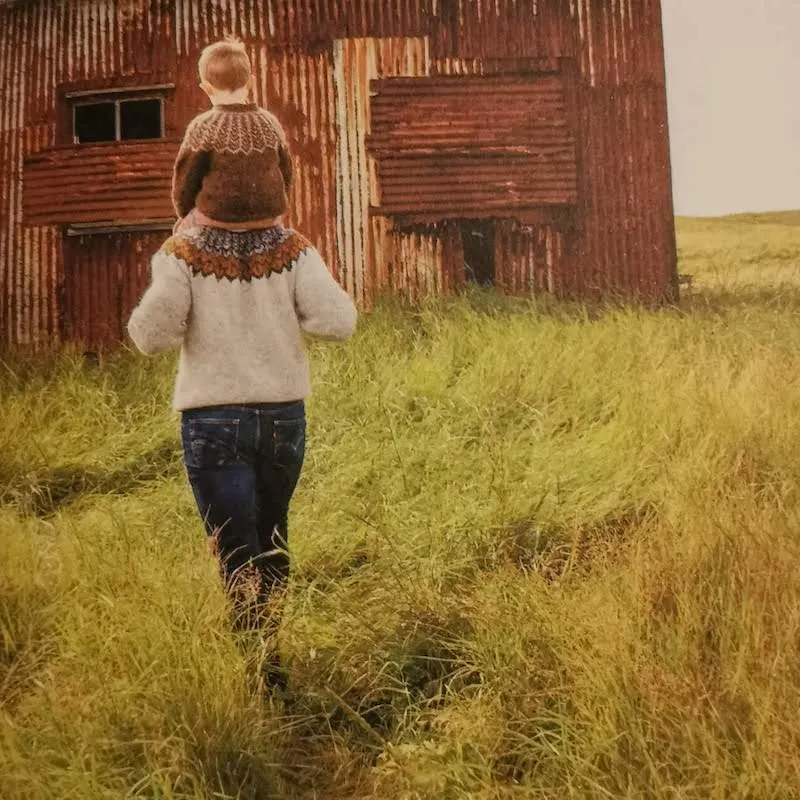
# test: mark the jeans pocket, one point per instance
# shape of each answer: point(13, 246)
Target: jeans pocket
point(289, 441)
point(211, 443)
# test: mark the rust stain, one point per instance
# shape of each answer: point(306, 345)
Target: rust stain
point(380, 99)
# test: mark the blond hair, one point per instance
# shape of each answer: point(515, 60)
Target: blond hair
point(225, 65)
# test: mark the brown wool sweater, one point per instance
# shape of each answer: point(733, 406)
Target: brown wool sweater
point(233, 165)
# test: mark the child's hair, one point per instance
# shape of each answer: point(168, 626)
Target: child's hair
point(225, 65)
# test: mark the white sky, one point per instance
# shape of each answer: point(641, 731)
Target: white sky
point(733, 89)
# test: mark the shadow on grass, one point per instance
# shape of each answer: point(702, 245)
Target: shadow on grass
point(364, 702)
point(26, 639)
point(720, 301)
point(42, 492)
point(229, 769)
point(555, 550)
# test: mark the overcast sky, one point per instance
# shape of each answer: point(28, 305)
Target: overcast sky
point(733, 89)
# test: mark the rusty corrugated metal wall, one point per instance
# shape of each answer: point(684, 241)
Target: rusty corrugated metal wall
point(133, 186)
point(29, 264)
point(626, 242)
point(107, 276)
point(356, 63)
point(457, 146)
point(314, 60)
point(43, 46)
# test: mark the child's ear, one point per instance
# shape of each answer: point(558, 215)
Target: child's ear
point(207, 88)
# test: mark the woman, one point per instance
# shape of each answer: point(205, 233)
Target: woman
point(238, 304)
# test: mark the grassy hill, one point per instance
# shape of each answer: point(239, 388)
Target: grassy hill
point(537, 554)
point(762, 218)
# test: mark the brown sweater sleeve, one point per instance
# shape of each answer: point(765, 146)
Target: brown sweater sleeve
point(190, 168)
point(284, 155)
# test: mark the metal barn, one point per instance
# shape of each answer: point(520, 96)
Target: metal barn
point(517, 142)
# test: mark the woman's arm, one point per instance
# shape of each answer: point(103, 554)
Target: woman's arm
point(323, 308)
point(159, 321)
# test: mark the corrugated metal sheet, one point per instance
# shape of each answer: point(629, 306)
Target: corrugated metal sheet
point(107, 276)
point(360, 244)
point(314, 60)
point(27, 271)
point(426, 260)
point(502, 29)
point(299, 88)
point(528, 258)
point(318, 23)
point(119, 183)
point(47, 47)
point(471, 145)
point(626, 239)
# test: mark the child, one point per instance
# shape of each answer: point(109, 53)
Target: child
point(233, 168)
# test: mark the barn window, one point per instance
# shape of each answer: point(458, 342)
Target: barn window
point(95, 122)
point(116, 116)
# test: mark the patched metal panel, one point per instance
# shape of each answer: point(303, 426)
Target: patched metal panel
point(119, 183)
point(472, 145)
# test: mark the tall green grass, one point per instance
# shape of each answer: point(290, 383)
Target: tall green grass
point(539, 552)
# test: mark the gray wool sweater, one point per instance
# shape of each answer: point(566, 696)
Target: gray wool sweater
point(238, 305)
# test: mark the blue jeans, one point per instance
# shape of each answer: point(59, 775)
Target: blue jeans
point(243, 464)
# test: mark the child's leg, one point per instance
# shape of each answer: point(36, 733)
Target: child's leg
point(238, 227)
point(196, 219)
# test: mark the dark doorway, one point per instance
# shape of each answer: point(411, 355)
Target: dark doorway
point(477, 238)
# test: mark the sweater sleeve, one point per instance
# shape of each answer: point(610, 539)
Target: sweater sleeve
point(323, 308)
point(284, 154)
point(159, 321)
point(190, 168)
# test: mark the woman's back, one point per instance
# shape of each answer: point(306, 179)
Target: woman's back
point(239, 304)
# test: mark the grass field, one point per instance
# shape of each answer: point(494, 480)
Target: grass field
point(538, 553)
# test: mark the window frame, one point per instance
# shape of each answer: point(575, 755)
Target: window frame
point(117, 96)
